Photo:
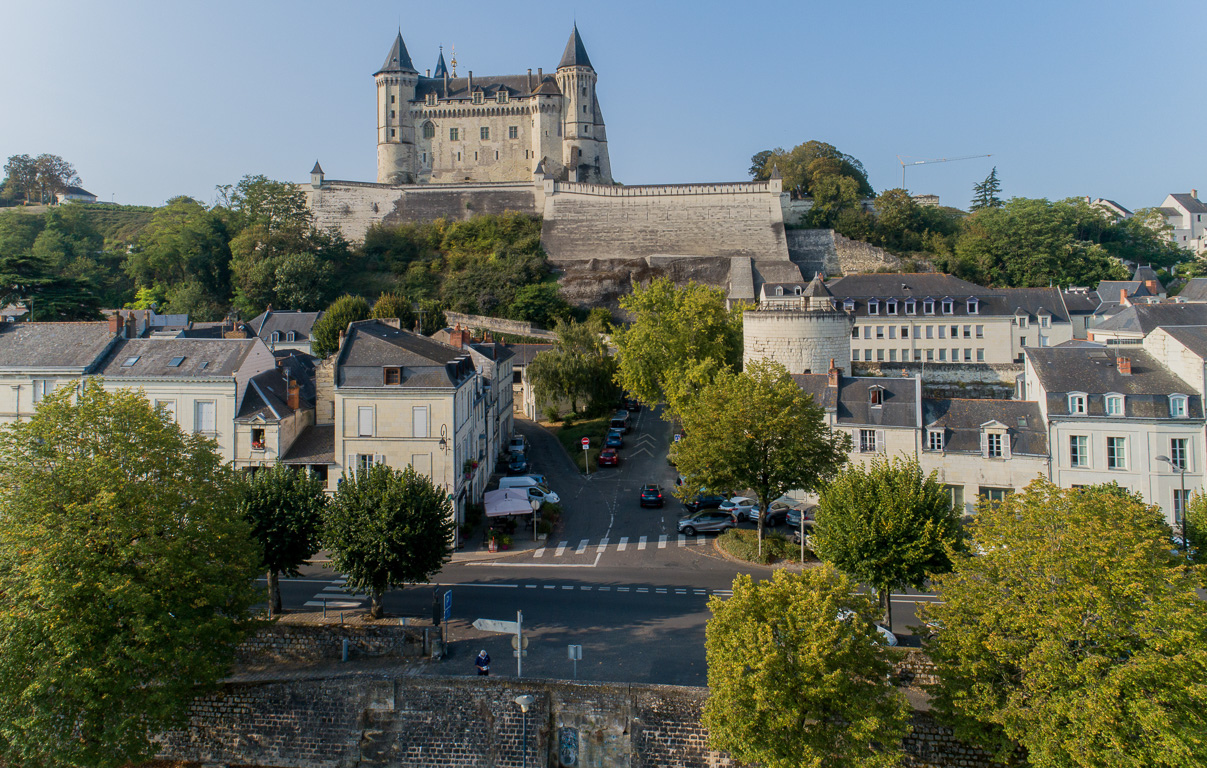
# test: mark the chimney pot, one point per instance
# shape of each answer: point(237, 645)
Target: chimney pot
point(295, 395)
point(115, 323)
point(1124, 364)
point(1123, 297)
point(1194, 193)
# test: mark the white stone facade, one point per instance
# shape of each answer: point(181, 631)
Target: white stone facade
point(802, 341)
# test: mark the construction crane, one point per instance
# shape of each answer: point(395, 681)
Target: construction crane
point(901, 160)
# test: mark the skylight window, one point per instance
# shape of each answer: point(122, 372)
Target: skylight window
point(130, 361)
point(204, 365)
point(175, 362)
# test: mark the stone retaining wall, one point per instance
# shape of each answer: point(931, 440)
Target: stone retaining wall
point(498, 325)
point(308, 643)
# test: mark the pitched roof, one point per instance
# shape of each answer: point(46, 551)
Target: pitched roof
point(284, 321)
point(1081, 302)
point(316, 445)
point(397, 60)
point(268, 391)
point(1193, 337)
point(441, 68)
point(1095, 371)
point(961, 420)
point(53, 345)
point(152, 358)
point(1032, 301)
point(1144, 318)
point(817, 288)
point(853, 406)
point(523, 353)
point(317, 168)
point(1195, 290)
point(1191, 203)
point(372, 345)
point(575, 54)
point(517, 87)
point(1145, 272)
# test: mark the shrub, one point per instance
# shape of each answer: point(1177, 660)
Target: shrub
point(551, 413)
point(744, 545)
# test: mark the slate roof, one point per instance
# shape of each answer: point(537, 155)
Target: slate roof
point(1191, 203)
point(317, 168)
point(203, 358)
point(1081, 302)
point(961, 422)
point(1108, 290)
point(853, 406)
point(523, 353)
point(492, 350)
point(817, 288)
point(575, 54)
point(53, 345)
point(372, 345)
point(1195, 290)
point(441, 68)
point(316, 445)
point(1095, 372)
point(517, 87)
point(397, 60)
point(1032, 301)
point(860, 289)
point(268, 393)
point(1193, 337)
point(1144, 318)
point(1146, 272)
point(284, 321)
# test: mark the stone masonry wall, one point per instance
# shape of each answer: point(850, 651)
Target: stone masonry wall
point(324, 642)
point(801, 341)
point(497, 325)
point(824, 250)
point(383, 720)
point(951, 380)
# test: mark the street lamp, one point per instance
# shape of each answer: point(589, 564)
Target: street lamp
point(525, 701)
point(1180, 468)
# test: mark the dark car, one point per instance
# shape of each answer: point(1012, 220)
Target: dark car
point(793, 519)
point(651, 495)
point(632, 404)
point(777, 514)
point(608, 457)
point(708, 520)
point(614, 439)
point(517, 464)
point(704, 501)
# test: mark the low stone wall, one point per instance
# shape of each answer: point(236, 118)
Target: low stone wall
point(914, 669)
point(309, 643)
point(498, 325)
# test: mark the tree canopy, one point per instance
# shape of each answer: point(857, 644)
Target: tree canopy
point(344, 310)
point(807, 165)
point(886, 524)
point(797, 676)
point(985, 193)
point(578, 368)
point(126, 580)
point(1076, 635)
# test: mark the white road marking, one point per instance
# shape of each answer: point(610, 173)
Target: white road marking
point(605, 589)
point(682, 540)
point(701, 591)
point(642, 589)
point(603, 544)
point(585, 589)
point(660, 590)
point(529, 586)
point(623, 545)
point(641, 544)
point(622, 589)
point(662, 541)
point(539, 553)
point(700, 540)
point(680, 591)
point(568, 587)
point(582, 547)
point(561, 549)
point(550, 586)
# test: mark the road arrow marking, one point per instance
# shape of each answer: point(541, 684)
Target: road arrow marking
point(646, 451)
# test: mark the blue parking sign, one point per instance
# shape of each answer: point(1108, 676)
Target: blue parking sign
point(448, 604)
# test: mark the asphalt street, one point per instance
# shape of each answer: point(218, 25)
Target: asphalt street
point(614, 578)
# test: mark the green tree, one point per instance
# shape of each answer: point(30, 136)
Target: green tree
point(303, 281)
point(797, 677)
point(55, 175)
point(185, 241)
point(1195, 529)
point(758, 430)
point(386, 528)
point(22, 173)
point(887, 525)
point(808, 163)
point(678, 339)
point(540, 303)
point(394, 305)
point(431, 316)
point(985, 193)
point(284, 508)
point(126, 582)
point(1075, 635)
point(760, 169)
point(577, 368)
point(344, 310)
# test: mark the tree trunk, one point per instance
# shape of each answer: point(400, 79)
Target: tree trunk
point(274, 594)
point(375, 604)
point(886, 606)
point(761, 516)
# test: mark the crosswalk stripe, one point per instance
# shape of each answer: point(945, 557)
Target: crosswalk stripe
point(624, 543)
point(582, 546)
point(682, 540)
point(662, 541)
point(700, 541)
point(603, 544)
point(680, 591)
point(660, 590)
point(622, 589)
point(605, 589)
point(539, 553)
point(643, 589)
point(701, 591)
point(641, 544)
point(561, 549)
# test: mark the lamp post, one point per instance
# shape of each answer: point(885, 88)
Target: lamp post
point(1180, 468)
point(525, 701)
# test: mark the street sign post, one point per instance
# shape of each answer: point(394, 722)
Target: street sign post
point(576, 654)
point(448, 605)
point(519, 642)
point(587, 454)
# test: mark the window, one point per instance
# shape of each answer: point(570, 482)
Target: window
point(454, 134)
point(980, 331)
point(1177, 406)
point(892, 355)
point(957, 497)
point(364, 462)
point(848, 305)
point(949, 306)
point(1044, 321)
point(391, 98)
point(257, 439)
point(867, 355)
point(934, 439)
point(880, 331)
point(513, 132)
point(955, 331)
point(1079, 451)
point(994, 495)
point(867, 331)
point(880, 355)
point(1177, 452)
point(911, 307)
point(478, 97)
point(972, 306)
point(419, 421)
point(431, 99)
point(980, 355)
point(928, 306)
point(891, 306)
point(854, 332)
point(854, 354)
point(130, 361)
point(393, 375)
point(291, 336)
point(876, 396)
point(205, 416)
point(942, 331)
point(1116, 453)
point(930, 331)
point(867, 441)
point(42, 387)
point(873, 307)
point(968, 331)
point(484, 133)
point(1022, 341)
point(393, 132)
point(176, 362)
point(275, 337)
point(429, 130)
point(584, 90)
point(391, 114)
point(968, 354)
point(779, 291)
point(905, 331)
point(502, 97)
point(930, 355)
point(1180, 499)
point(993, 445)
point(943, 355)
point(1114, 405)
point(892, 331)
point(364, 421)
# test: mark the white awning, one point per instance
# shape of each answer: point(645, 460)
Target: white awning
point(507, 501)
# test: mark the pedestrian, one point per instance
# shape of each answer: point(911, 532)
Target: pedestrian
point(483, 662)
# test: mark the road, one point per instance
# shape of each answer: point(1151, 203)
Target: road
point(615, 578)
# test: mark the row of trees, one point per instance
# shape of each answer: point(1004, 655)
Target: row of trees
point(128, 553)
point(37, 179)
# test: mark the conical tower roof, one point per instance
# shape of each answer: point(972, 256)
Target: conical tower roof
point(317, 168)
point(576, 53)
point(397, 60)
point(441, 68)
point(817, 288)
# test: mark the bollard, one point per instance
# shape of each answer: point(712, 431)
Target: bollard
point(345, 654)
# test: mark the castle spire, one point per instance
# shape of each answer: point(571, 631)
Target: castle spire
point(576, 53)
point(398, 60)
point(441, 68)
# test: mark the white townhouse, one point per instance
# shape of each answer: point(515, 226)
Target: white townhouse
point(285, 330)
point(1184, 212)
point(38, 358)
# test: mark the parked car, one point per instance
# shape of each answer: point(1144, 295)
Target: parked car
point(651, 495)
point(608, 457)
point(518, 444)
point(793, 519)
point(632, 404)
point(777, 514)
point(620, 421)
point(615, 439)
point(517, 464)
point(704, 501)
point(888, 637)
point(742, 507)
point(540, 479)
point(542, 494)
point(707, 521)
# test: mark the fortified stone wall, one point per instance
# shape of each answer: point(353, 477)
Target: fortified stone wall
point(951, 380)
point(498, 325)
point(802, 341)
point(364, 720)
point(826, 251)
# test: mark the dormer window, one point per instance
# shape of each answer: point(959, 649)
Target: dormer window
point(891, 306)
point(928, 306)
point(848, 305)
point(934, 439)
point(911, 307)
point(876, 397)
point(798, 290)
point(1177, 406)
point(502, 97)
point(1077, 403)
point(779, 291)
point(275, 337)
point(993, 445)
point(972, 306)
point(477, 97)
point(1114, 405)
point(393, 375)
point(873, 307)
point(949, 306)
point(1043, 321)
point(431, 99)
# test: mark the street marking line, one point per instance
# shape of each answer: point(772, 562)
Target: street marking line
point(641, 544)
point(680, 591)
point(331, 605)
point(603, 544)
point(662, 541)
point(539, 553)
point(605, 589)
point(642, 589)
point(334, 589)
point(567, 587)
point(585, 589)
point(550, 586)
point(622, 589)
point(700, 541)
point(623, 545)
point(561, 549)
point(682, 540)
point(660, 590)
point(582, 546)
point(529, 586)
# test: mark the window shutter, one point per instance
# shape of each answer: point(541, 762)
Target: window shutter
point(984, 444)
point(365, 422)
point(419, 421)
point(379, 458)
point(350, 467)
point(880, 447)
point(1006, 445)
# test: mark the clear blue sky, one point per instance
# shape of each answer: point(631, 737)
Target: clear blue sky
point(155, 99)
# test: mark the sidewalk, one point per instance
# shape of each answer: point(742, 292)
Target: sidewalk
point(476, 546)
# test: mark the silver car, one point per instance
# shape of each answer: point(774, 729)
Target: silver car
point(707, 520)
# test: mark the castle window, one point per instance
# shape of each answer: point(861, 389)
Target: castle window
point(431, 99)
point(580, 152)
point(393, 133)
point(484, 133)
point(478, 97)
point(391, 99)
point(584, 109)
point(502, 97)
point(584, 90)
point(586, 129)
point(496, 155)
point(458, 157)
point(454, 134)
point(429, 130)
point(513, 132)
point(391, 114)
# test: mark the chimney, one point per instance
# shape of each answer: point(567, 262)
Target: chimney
point(1124, 364)
point(540, 75)
point(834, 375)
point(454, 338)
point(1123, 297)
point(471, 82)
point(295, 395)
point(342, 333)
point(1152, 286)
point(427, 73)
point(115, 323)
point(131, 326)
point(1194, 193)
point(530, 79)
point(486, 337)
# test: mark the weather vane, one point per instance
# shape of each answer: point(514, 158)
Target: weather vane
point(453, 61)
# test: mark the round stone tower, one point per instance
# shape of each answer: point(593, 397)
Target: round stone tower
point(396, 81)
point(803, 338)
point(584, 138)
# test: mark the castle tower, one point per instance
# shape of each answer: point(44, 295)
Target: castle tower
point(804, 339)
point(396, 81)
point(584, 141)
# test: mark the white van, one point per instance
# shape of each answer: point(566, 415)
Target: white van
point(536, 491)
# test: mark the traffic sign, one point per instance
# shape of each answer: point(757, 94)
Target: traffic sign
point(448, 604)
point(494, 625)
point(575, 652)
point(586, 443)
point(515, 642)
point(677, 436)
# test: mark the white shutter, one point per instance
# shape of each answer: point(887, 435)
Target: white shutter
point(205, 416)
point(984, 444)
point(880, 446)
point(365, 421)
point(379, 458)
point(419, 427)
point(350, 467)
